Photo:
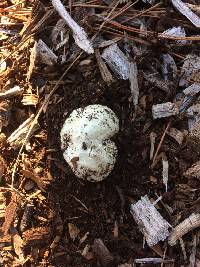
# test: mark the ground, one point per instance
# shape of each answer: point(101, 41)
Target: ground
point(48, 216)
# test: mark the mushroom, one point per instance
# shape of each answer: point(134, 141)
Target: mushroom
point(86, 144)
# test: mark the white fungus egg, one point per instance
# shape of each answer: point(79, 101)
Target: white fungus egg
point(86, 144)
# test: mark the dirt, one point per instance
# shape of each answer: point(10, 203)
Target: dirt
point(96, 208)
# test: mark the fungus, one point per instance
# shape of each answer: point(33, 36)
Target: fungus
point(86, 144)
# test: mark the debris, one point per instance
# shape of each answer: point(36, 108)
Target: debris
point(133, 78)
point(165, 170)
point(79, 34)
point(192, 222)
point(85, 140)
point(192, 258)
point(2, 205)
point(30, 174)
point(44, 54)
point(117, 61)
point(178, 32)
point(73, 231)
point(105, 73)
point(194, 171)
point(101, 252)
point(164, 110)
point(192, 89)
point(87, 254)
point(17, 137)
point(177, 135)
point(153, 261)
point(190, 66)
point(169, 68)
point(3, 66)
point(2, 167)
point(29, 98)
point(150, 222)
point(26, 217)
point(16, 90)
point(184, 10)
point(158, 82)
point(5, 113)
point(18, 247)
point(36, 236)
point(10, 213)
point(59, 35)
point(152, 141)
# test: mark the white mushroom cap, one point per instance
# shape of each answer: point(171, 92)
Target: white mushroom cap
point(86, 144)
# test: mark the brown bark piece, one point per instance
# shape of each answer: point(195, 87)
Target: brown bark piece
point(35, 178)
point(101, 252)
point(194, 171)
point(18, 246)
point(36, 236)
point(10, 213)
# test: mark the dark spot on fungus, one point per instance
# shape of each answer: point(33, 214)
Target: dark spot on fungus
point(84, 146)
point(74, 162)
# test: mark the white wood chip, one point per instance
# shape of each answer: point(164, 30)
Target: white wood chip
point(150, 222)
point(178, 32)
point(164, 110)
point(188, 13)
point(16, 90)
point(192, 222)
point(79, 34)
point(117, 61)
point(133, 78)
point(192, 89)
point(165, 171)
point(152, 141)
point(190, 66)
point(17, 137)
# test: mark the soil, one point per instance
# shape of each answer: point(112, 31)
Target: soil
point(108, 203)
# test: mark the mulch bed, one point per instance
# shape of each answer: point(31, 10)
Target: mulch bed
point(48, 216)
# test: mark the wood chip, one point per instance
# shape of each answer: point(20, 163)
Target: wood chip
point(10, 213)
point(37, 236)
point(150, 222)
point(17, 137)
point(79, 34)
point(133, 78)
point(178, 32)
point(152, 141)
point(192, 222)
point(44, 54)
point(30, 174)
point(188, 13)
point(18, 247)
point(165, 171)
point(16, 90)
point(194, 171)
point(164, 110)
point(192, 89)
point(117, 61)
point(177, 135)
point(190, 66)
point(73, 231)
point(105, 73)
point(101, 252)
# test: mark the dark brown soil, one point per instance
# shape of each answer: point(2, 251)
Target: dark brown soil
point(108, 202)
